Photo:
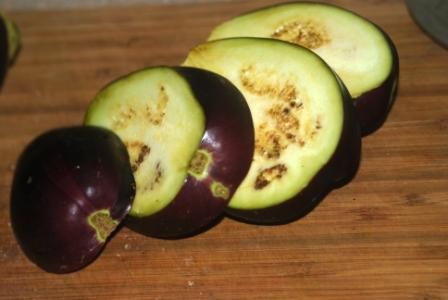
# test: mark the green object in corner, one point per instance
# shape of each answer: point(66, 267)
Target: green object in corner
point(10, 43)
point(432, 17)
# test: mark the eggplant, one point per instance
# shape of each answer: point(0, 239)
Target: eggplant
point(190, 136)
point(9, 45)
point(71, 189)
point(360, 52)
point(307, 135)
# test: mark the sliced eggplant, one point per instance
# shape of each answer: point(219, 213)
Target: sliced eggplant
point(360, 52)
point(160, 121)
point(190, 137)
point(307, 139)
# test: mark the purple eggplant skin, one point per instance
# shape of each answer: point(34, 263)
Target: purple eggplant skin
point(374, 106)
point(339, 170)
point(66, 180)
point(229, 142)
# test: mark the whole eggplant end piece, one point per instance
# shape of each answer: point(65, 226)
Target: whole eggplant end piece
point(71, 189)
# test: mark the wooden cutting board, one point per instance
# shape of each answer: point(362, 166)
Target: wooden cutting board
point(383, 236)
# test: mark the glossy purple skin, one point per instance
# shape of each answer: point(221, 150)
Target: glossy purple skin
point(374, 106)
point(338, 171)
point(229, 138)
point(62, 177)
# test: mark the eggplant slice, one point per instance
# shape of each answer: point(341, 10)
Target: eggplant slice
point(190, 137)
point(360, 52)
point(157, 116)
point(301, 113)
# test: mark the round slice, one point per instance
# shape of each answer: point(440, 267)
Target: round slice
point(190, 136)
point(161, 123)
point(305, 125)
point(362, 54)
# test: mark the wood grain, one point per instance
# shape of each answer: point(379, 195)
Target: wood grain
point(383, 236)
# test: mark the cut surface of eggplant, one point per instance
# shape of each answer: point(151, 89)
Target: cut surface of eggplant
point(361, 53)
point(221, 162)
point(9, 44)
point(161, 123)
point(297, 107)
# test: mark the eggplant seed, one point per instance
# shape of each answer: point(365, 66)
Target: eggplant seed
point(308, 34)
point(266, 176)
